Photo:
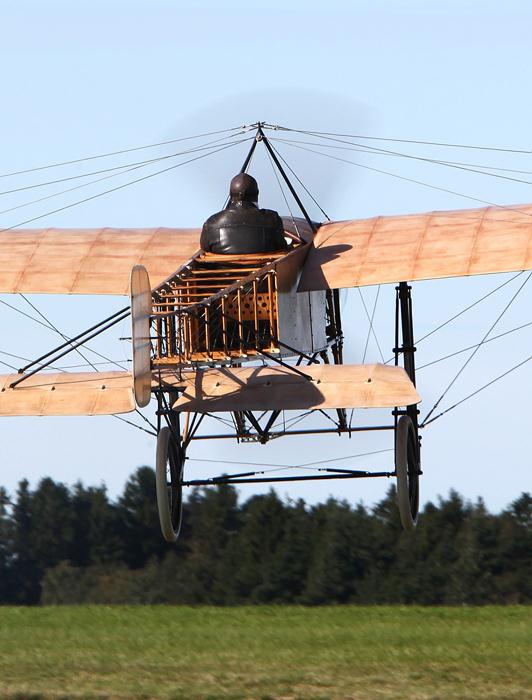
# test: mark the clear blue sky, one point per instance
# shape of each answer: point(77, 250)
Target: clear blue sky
point(90, 77)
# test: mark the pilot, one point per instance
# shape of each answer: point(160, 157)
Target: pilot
point(242, 227)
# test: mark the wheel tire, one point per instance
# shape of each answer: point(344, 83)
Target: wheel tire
point(407, 471)
point(170, 459)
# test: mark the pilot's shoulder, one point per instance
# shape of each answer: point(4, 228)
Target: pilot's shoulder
point(270, 213)
point(215, 218)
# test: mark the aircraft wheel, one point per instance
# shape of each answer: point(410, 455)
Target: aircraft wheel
point(407, 471)
point(168, 477)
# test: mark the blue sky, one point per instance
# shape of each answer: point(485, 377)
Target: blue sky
point(87, 78)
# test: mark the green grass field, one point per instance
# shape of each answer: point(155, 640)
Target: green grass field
point(266, 652)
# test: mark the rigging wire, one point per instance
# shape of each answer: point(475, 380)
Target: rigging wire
point(283, 192)
point(474, 393)
point(76, 348)
point(416, 182)
point(432, 161)
point(108, 362)
point(119, 187)
point(26, 359)
point(47, 320)
point(335, 423)
point(477, 347)
point(372, 329)
point(83, 357)
point(126, 168)
point(6, 364)
point(51, 328)
point(287, 424)
point(279, 467)
point(470, 347)
point(395, 140)
point(139, 427)
point(362, 148)
point(300, 182)
point(467, 308)
point(120, 152)
point(144, 418)
point(226, 422)
point(463, 311)
point(371, 323)
point(14, 308)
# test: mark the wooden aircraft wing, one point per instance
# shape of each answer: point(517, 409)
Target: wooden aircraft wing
point(279, 388)
point(89, 261)
point(67, 394)
point(419, 246)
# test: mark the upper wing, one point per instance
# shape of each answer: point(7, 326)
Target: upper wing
point(89, 261)
point(67, 394)
point(419, 246)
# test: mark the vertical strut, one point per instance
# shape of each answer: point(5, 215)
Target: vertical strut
point(404, 323)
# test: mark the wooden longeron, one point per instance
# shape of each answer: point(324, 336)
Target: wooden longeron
point(226, 308)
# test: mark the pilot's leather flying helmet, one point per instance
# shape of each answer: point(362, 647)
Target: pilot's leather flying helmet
point(244, 188)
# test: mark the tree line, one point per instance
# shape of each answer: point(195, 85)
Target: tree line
point(75, 545)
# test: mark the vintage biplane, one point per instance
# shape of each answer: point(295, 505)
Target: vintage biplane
point(250, 335)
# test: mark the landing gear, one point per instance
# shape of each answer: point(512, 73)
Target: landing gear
point(169, 477)
point(407, 439)
point(407, 471)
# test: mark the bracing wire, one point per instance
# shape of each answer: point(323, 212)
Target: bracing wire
point(362, 148)
point(6, 364)
point(139, 427)
point(371, 323)
point(131, 166)
point(463, 311)
point(414, 181)
point(283, 193)
point(467, 308)
point(470, 347)
point(62, 335)
point(91, 364)
point(370, 320)
point(408, 156)
point(476, 349)
point(477, 391)
point(51, 328)
point(27, 359)
point(120, 152)
point(120, 187)
point(397, 140)
point(300, 182)
point(309, 466)
point(70, 189)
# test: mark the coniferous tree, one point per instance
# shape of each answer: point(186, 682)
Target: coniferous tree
point(337, 564)
point(51, 524)
point(138, 521)
point(212, 521)
point(26, 575)
point(83, 548)
point(6, 549)
point(257, 578)
point(97, 527)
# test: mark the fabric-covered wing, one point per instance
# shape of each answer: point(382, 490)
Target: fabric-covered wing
point(419, 246)
point(67, 394)
point(89, 261)
point(271, 388)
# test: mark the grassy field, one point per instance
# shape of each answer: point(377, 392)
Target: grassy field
point(266, 653)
